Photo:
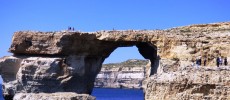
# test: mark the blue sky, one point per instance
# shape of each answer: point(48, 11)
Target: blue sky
point(1, 81)
point(95, 15)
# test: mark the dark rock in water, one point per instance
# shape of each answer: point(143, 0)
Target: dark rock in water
point(8, 97)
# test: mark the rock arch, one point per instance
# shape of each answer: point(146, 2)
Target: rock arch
point(64, 61)
point(67, 61)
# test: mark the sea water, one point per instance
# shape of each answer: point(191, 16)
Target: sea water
point(1, 95)
point(118, 94)
point(112, 94)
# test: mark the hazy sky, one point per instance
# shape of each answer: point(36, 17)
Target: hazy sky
point(95, 15)
point(1, 81)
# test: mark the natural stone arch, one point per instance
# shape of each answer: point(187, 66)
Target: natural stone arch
point(72, 59)
point(69, 61)
point(146, 50)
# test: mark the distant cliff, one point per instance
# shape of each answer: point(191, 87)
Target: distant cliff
point(128, 74)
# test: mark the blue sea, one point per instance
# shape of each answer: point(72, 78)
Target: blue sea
point(118, 94)
point(112, 94)
point(1, 95)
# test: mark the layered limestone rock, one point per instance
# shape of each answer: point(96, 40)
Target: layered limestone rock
point(9, 67)
point(189, 84)
point(53, 96)
point(47, 62)
point(181, 43)
point(47, 74)
point(128, 74)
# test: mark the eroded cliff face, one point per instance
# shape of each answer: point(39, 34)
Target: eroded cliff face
point(189, 84)
point(48, 74)
point(53, 96)
point(128, 74)
point(69, 61)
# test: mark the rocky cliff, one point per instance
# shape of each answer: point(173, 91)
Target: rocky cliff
point(128, 74)
point(66, 61)
point(23, 74)
point(189, 84)
point(53, 96)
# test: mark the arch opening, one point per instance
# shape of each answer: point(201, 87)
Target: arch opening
point(121, 54)
point(120, 72)
point(112, 69)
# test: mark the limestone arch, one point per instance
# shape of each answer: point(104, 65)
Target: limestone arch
point(147, 50)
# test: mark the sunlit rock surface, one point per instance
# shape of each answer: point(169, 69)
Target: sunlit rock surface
point(53, 96)
point(189, 84)
point(128, 74)
point(67, 61)
point(46, 74)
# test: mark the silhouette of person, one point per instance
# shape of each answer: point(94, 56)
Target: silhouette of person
point(198, 62)
point(220, 61)
point(217, 61)
point(204, 62)
point(225, 61)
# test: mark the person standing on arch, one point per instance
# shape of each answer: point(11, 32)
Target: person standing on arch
point(199, 61)
point(205, 61)
point(220, 61)
point(217, 61)
point(69, 28)
point(225, 61)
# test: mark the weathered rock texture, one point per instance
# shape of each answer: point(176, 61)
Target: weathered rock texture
point(189, 84)
point(9, 67)
point(128, 74)
point(69, 61)
point(47, 74)
point(53, 96)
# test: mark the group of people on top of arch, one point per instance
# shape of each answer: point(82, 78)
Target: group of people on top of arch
point(219, 61)
point(70, 28)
